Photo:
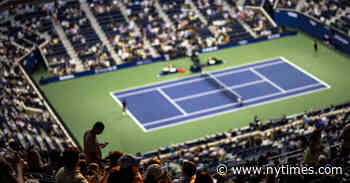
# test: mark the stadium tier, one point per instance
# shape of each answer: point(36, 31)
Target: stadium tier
point(274, 111)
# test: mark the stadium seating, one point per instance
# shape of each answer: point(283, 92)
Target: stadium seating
point(127, 43)
point(27, 125)
point(23, 115)
point(227, 28)
point(83, 37)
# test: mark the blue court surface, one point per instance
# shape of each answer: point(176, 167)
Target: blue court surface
point(182, 100)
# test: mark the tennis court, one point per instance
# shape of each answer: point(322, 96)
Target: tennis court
point(183, 100)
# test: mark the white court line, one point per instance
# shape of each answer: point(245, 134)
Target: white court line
point(233, 110)
point(128, 112)
point(172, 101)
point(198, 79)
point(195, 75)
point(231, 104)
point(305, 72)
point(218, 90)
point(267, 80)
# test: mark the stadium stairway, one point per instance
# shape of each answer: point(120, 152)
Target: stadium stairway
point(232, 13)
point(147, 45)
point(96, 26)
point(162, 14)
point(201, 17)
point(68, 45)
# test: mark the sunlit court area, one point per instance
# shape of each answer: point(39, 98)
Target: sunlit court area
point(190, 91)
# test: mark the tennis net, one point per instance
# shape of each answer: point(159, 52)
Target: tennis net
point(220, 85)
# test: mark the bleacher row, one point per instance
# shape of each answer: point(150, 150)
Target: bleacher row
point(24, 119)
point(335, 13)
point(186, 29)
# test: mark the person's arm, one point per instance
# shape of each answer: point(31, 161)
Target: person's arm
point(20, 165)
point(105, 177)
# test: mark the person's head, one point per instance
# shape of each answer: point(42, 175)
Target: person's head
point(71, 157)
point(129, 166)
point(156, 174)
point(98, 127)
point(188, 169)
point(114, 157)
point(203, 177)
point(153, 160)
point(34, 160)
point(129, 161)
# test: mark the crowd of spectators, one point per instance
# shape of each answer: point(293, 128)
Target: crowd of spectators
point(24, 119)
point(324, 10)
point(128, 44)
point(90, 49)
point(259, 23)
point(343, 23)
point(253, 2)
point(290, 4)
point(317, 138)
point(226, 28)
point(161, 35)
point(23, 24)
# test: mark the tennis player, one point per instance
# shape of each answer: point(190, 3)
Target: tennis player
point(240, 101)
point(124, 106)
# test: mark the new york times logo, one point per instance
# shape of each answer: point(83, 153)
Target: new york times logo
point(280, 170)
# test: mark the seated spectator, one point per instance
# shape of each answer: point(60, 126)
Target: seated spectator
point(188, 172)
point(70, 172)
point(345, 140)
point(314, 150)
point(203, 177)
point(129, 170)
point(156, 174)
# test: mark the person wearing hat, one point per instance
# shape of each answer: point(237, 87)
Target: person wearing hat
point(128, 170)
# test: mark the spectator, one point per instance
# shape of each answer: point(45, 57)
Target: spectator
point(70, 172)
point(314, 150)
point(34, 161)
point(155, 174)
point(128, 171)
point(188, 172)
point(345, 140)
point(203, 177)
point(92, 148)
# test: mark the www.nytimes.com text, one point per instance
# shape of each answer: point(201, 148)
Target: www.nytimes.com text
point(279, 170)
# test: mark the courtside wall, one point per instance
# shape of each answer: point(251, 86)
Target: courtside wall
point(314, 28)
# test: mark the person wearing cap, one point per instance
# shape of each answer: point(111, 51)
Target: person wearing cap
point(156, 174)
point(92, 148)
point(188, 172)
point(128, 170)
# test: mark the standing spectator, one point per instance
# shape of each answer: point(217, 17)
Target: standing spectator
point(188, 172)
point(345, 140)
point(92, 148)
